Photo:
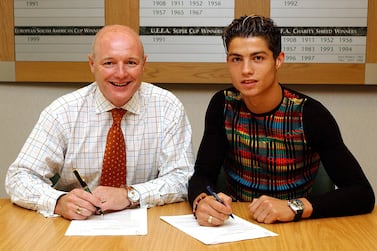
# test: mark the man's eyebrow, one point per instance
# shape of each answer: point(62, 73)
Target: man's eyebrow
point(252, 54)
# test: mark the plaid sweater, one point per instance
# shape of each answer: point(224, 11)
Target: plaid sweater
point(268, 154)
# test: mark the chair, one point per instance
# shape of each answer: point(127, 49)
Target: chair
point(322, 182)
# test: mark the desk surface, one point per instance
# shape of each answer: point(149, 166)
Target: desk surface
point(22, 229)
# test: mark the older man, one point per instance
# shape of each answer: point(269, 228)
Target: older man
point(72, 134)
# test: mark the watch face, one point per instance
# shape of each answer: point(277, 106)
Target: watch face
point(296, 204)
point(133, 195)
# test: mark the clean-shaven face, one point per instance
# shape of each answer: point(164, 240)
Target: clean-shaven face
point(252, 66)
point(117, 63)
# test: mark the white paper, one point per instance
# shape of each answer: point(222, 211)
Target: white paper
point(126, 222)
point(233, 229)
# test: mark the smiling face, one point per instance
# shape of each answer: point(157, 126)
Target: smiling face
point(253, 69)
point(117, 63)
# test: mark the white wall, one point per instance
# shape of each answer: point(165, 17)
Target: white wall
point(354, 107)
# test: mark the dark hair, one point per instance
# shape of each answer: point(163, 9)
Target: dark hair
point(254, 26)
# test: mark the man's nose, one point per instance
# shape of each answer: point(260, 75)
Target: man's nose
point(247, 67)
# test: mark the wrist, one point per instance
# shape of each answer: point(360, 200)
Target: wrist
point(196, 202)
point(301, 207)
point(308, 208)
point(57, 205)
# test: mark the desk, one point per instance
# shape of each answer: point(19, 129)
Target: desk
point(22, 229)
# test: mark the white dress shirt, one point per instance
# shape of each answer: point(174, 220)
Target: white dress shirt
point(71, 133)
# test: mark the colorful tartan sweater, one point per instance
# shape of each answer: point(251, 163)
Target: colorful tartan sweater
point(268, 154)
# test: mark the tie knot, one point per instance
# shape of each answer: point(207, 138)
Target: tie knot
point(117, 114)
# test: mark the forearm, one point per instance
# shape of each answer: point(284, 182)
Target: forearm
point(344, 202)
point(162, 190)
point(31, 192)
point(197, 185)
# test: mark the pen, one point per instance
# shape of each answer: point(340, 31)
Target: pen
point(210, 190)
point(85, 186)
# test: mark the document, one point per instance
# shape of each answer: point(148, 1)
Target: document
point(126, 222)
point(233, 229)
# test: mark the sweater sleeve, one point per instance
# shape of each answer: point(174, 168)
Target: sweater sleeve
point(212, 149)
point(354, 194)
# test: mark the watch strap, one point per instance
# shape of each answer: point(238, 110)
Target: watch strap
point(298, 215)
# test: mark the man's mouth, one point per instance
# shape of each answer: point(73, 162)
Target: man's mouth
point(249, 81)
point(119, 84)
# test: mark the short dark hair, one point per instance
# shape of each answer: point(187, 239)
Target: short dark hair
point(254, 26)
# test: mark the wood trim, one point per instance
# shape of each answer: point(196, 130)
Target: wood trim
point(27, 71)
point(197, 73)
point(7, 31)
point(259, 7)
point(322, 73)
point(124, 12)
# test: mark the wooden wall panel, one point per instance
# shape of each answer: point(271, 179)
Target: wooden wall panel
point(126, 12)
point(6, 31)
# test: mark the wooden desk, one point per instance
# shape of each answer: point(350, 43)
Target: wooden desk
point(22, 229)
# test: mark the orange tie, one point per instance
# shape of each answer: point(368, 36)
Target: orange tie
point(114, 161)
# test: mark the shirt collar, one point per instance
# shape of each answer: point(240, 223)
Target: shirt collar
point(104, 105)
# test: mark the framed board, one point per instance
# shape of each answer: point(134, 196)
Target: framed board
point(127, 12)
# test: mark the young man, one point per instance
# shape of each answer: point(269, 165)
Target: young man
point(71, 134)
point(270, 140)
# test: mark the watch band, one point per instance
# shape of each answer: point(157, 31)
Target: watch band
point(298, 215)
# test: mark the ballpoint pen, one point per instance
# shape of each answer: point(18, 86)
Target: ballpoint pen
point(85, 186)
point(210, 190)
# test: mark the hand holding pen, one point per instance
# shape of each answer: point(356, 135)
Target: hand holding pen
point(85, 187)
point(212, 192)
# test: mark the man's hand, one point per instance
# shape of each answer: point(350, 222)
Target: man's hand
point(210, 212)
point(77, 205)
point(112, 198)
point(267, 209)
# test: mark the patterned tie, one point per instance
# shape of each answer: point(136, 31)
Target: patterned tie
point(114, 161)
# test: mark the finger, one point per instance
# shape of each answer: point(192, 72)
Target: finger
point(85, 200)
point(254, 205)
point(270, 218)
point(226, 199)
point(260, 215)
point(214, 221)
point(74, 213)
point(209, 220)
point(208, 216)
point(83, 211)
point(218, 210)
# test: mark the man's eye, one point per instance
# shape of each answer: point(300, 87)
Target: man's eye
point(258, 58)
point(236, 60)
point(132, 63)
point(107, 63)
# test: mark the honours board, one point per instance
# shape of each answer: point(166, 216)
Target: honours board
point(325, 41)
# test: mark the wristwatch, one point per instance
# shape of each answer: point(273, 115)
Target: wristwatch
point(133, 197)
point(297, 207)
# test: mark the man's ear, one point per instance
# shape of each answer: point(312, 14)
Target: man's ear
point(91, 62)
point(279, 60)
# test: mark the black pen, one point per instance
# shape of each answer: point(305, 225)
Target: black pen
point(210, 190)
point(85, 186)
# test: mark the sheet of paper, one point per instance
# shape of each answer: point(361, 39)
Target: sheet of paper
point(233, 230)
point(126, 222)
